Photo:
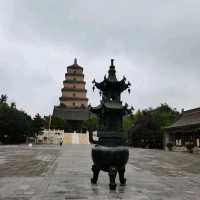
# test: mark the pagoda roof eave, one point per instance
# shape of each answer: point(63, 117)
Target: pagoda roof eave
point(75, 66)
point(116, 106)
point(117, 84)
point(72, 99)
point(109, 106)
point(100, 85)
point(74, 74)
point(73, 81)
point(96, 109)
point(73, 90)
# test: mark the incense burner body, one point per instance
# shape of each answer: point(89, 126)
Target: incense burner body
point(106, 157)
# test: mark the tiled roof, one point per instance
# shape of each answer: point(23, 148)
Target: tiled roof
point(188, 118)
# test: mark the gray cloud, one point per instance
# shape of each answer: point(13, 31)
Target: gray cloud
point(156, 44)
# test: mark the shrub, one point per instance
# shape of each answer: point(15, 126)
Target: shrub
point(169, 146)
point(190, 147)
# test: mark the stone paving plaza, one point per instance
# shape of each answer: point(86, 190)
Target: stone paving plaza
point(54, 173)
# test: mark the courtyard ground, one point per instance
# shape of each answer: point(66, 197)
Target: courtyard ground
point(53, 173)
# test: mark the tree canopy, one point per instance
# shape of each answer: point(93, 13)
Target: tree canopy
point(15, 125)
point(38, 124)
point(54, 122)
point(147, 130)
point(90, 124)
point(144, 128)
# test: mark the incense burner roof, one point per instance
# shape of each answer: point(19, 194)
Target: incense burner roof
point(111, 82)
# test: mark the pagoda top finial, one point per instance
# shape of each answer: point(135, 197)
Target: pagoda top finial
point(111, 72)
point(75, 61)
point(112, 62)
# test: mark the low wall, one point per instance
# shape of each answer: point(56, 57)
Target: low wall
point(76, 138)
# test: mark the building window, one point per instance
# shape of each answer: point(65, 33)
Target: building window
point(74, 86)
point(74, 94)
point(74, 79)
point(74, 103)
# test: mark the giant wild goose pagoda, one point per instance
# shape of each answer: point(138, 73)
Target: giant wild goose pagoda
point(73, 106)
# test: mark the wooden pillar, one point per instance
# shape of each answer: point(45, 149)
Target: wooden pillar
point(198, 137)
point(195, 139)
point(183, 138)
point(173, 138)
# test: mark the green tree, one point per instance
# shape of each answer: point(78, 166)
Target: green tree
point(57, 123)
point(54, 122)
point(3, 98)
point(147, 130)
point(128, 121)
point(90, 124)
point(38, 124)
point(15, 125)
point(13, 105)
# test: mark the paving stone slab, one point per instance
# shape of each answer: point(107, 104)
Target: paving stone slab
point(49, 172)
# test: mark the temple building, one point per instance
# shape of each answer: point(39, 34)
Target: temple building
point(185, 130)
point(73, 106)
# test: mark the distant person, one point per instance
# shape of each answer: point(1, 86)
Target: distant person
point(61, 142)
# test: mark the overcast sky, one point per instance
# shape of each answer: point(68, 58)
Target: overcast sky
point(155, 44)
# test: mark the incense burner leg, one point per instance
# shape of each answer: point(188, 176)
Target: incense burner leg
point(121, 176)
point(112, 174)
point(96, 171)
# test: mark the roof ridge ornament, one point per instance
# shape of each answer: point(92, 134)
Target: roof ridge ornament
point(75, 61)
point(111, 72)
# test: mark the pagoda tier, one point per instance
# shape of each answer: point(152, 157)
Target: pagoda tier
point(74, 92)
point(73, 106)
point(111, 116)
point(106, 84)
